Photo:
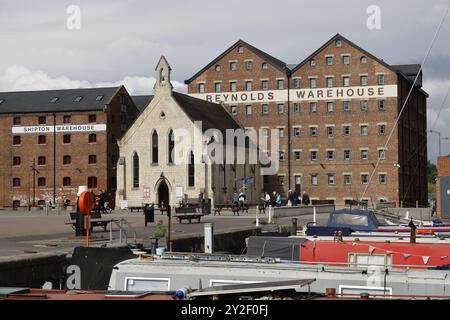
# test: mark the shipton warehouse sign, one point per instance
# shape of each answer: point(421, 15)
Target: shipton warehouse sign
point(60, 128)
point(338, 93)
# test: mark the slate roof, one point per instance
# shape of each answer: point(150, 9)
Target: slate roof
point(265, 56)
point(212, 115)
point(407, 69)
point(142, 102)
point(40, 101)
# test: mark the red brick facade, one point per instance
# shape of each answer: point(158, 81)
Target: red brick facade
point(401, 176)
point(87, 156)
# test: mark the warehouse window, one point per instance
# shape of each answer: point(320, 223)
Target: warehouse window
point(92, 182)
point(330, 155)
point(16, 140)
point(16, 161)
point(297, 83)
point(233, 110)
point(331, 179)
point(42, 139)
point(338, 43)
point(217, 87)
point(346, 106)
point(66, 138)
point(191, 170)
point(364, 178)
point(364, 130)
point(217, 67)
point(16, 121)
point(280, 108)
point(313, 107)
point(135, 170)
point(346, 81)
point(41, 182)
point(66, 182)
point(16, 182)
point(329, 61)
point(264, 85)
point(382, 178)
point(297, 131)
point(364, 154)
point(233, 66)
point(264, 66)
point(42, 161)
point(313, 83)
point(54, 100)
point(233, 86)
point(381, 105)
point(201, 87)
point(248, 65)
point(265, 108)
point(78, 99)
point(346, 130)
point(380, 79)
point(66, 119)
point(92, 159)
point(67, 159)
point(99, 98)
point(313, 131)
point(363, 80)
point(363, 105)
point(381, 154)
point(330, 132)
point(92, 138)
point(92, 118)
point(313, 155)
point(347, 179)
point(280, 84)
point(330, 106)
point(347, 154)
point(381, 129)
point(154, 147)
point(296, 107)
point(281, 180)
point(248, 110)
point(314, 179)
point(248, 85)
point(346, 59)
point(329, 81)
point(42, 120)
point(240, 49)
point(312, 63)
point(297, 155)
point(363, 59)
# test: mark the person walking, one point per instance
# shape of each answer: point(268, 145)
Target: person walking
point(267, 200)
point(103, 200)
point(277, 199)
point(305, 198)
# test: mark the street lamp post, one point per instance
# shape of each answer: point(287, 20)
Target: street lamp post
point(439, 136)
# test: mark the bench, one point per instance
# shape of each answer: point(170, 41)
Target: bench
point(136, 208)
point(187, 214)
point(98, 222)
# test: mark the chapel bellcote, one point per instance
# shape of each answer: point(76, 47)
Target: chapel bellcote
point(162, 76)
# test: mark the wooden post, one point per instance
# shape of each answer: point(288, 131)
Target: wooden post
point(168, 241)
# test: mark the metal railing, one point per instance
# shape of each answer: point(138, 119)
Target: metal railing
point(122, 231)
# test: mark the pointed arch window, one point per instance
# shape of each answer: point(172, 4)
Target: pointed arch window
point(135, 170)
point(155, 147)
point(171, 146)
point(191, 170)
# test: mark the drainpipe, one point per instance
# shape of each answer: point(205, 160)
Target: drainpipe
point(288, 74)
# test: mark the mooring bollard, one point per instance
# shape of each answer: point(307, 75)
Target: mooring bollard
point(209, 238)
point(314, 216)
point(270, 214)
point(46, 209)
point(294, 227)
point(257, 216)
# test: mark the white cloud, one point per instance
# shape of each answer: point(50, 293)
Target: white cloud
point(20, 78)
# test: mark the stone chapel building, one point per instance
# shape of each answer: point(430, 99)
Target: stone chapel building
point(149, 170)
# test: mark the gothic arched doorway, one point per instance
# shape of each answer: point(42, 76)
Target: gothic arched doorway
point(163, 193)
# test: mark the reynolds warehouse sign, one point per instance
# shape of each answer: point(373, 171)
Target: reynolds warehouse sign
point(339, 93)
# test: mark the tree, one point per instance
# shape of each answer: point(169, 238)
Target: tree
point(431, 172)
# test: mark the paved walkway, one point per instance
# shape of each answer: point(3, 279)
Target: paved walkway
point(23, 232)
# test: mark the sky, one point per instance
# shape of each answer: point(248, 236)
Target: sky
point(43, 44)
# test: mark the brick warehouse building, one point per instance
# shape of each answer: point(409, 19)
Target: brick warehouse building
point(335, 111)
point(88, 123)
